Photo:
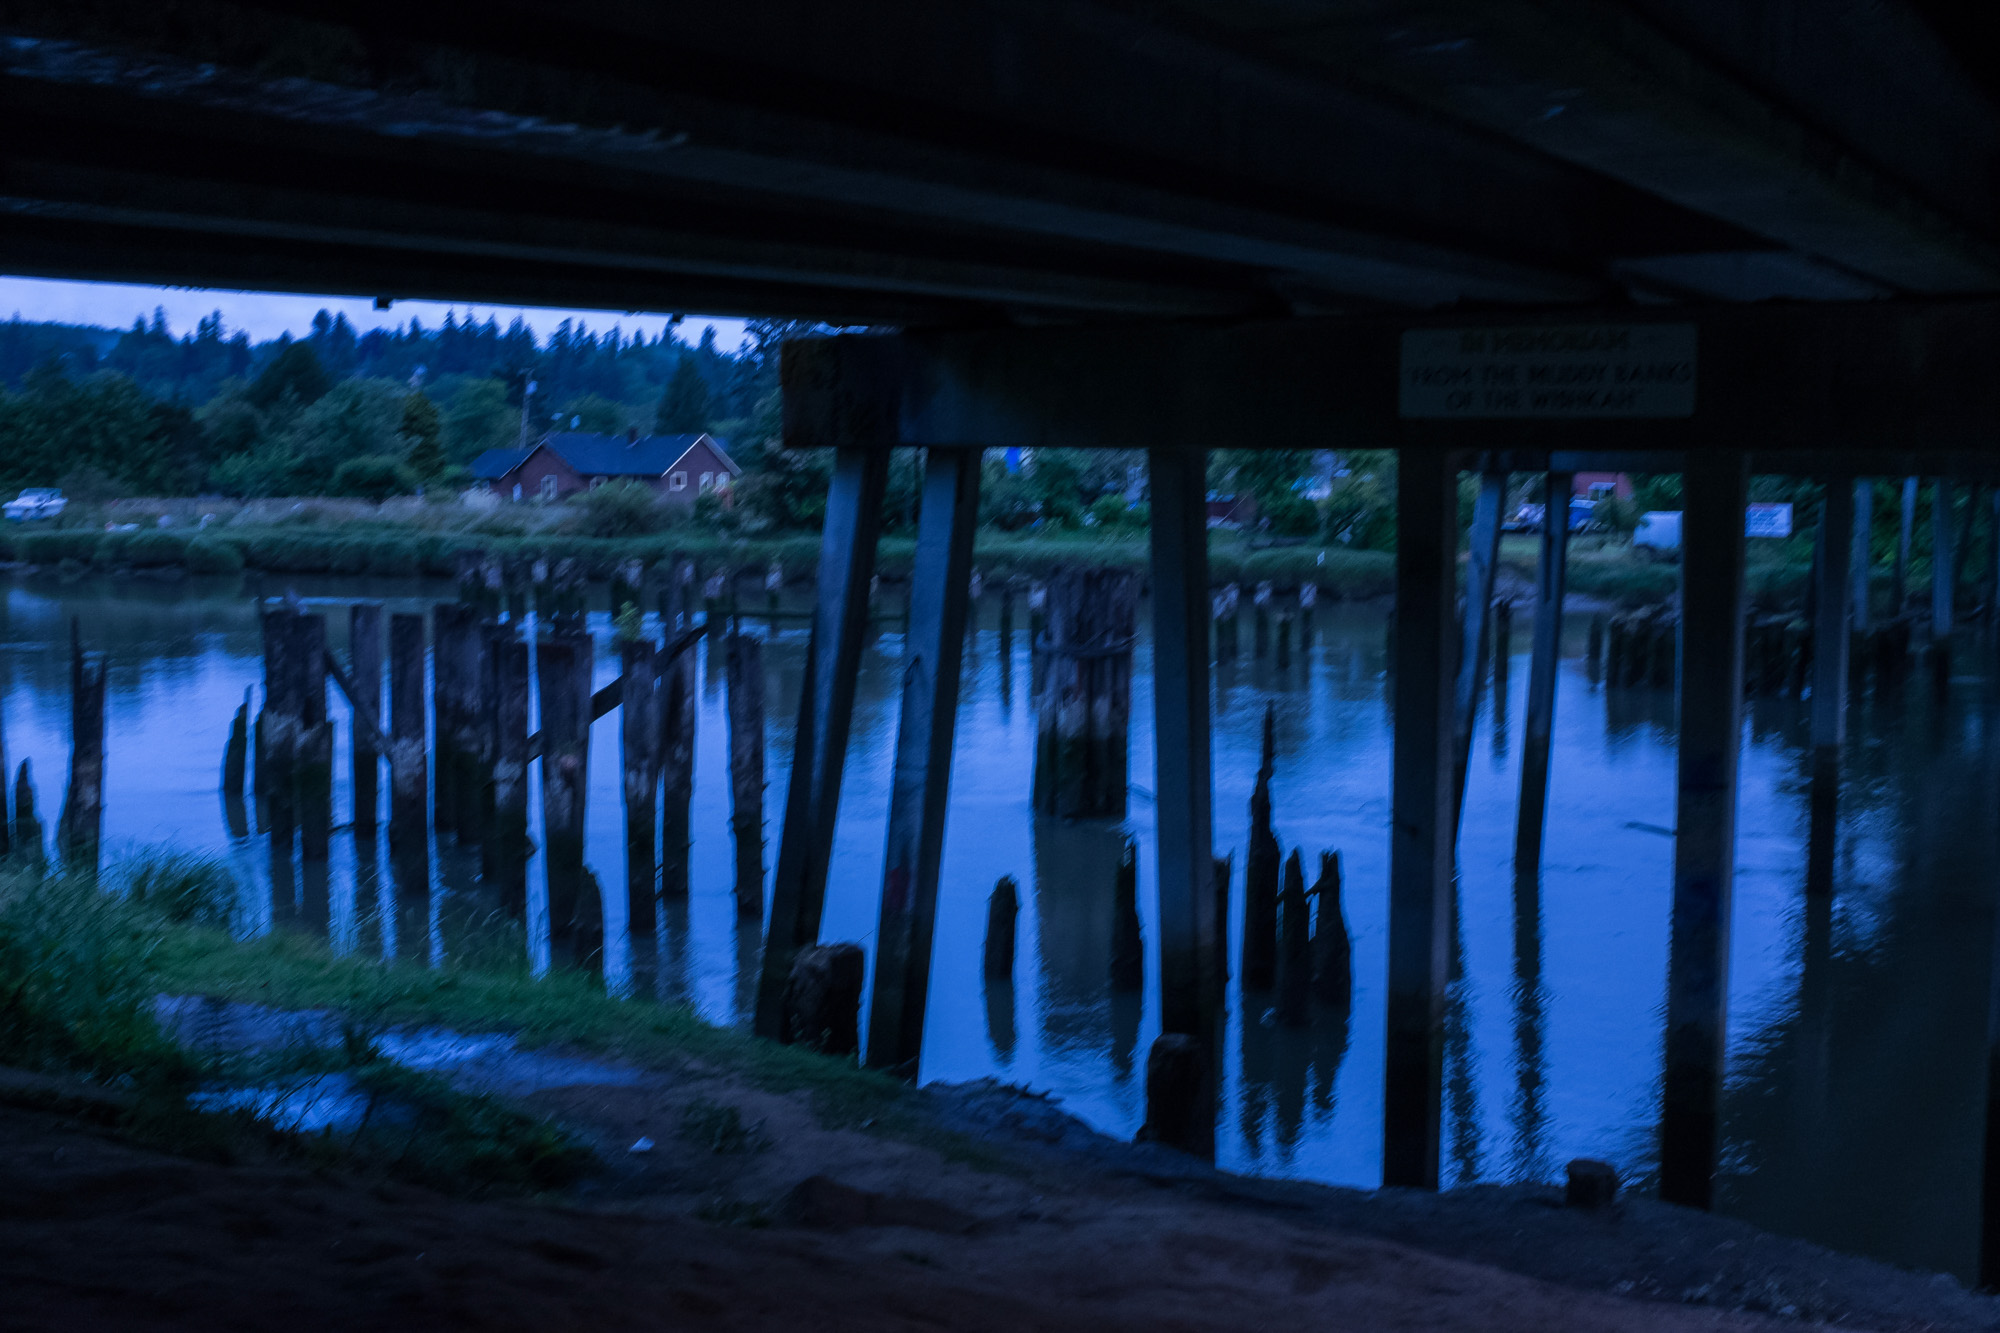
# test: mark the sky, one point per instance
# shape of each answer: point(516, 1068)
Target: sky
point(267, 314)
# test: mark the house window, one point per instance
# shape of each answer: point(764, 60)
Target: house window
point(517, 490)
point(677, 482)
point(549, 486)
point(722, 481)
point(708, 481)
point(1603, 490)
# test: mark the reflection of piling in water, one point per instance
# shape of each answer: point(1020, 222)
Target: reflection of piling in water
point(1073, 924)
point(563, 664)
point(1260, 875)
point(823, 999)
point(1295, 953)
point(746, 770)
point(279, 723)
point(1128, 949)
point(1084, 702)
point(408, 762)
point(364, 653)
point(1332, 950)
point(1001, 1029)
point(27, 831)
point(638, 741)
point(678, 689)
point(1003, 909)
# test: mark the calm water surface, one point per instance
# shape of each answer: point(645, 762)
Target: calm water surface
point(1856, 1079)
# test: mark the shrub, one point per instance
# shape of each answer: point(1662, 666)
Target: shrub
point(374, 477)
point(1291, 515)
point(182, 887)
point(212, 555)
point(150, 549)
point(619, 509)
point(52, 548)
point(76, 985)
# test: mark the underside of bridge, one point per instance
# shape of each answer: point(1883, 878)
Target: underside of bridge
point(1164, 224)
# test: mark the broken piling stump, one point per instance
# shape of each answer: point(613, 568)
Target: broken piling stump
point(1084, 700)
point(676, 711)
point(823, 999)
point(1295, 958)
point(1176, 1088)
point(364, 654)
point(81, 826)
point(1260, 875)
point(1333, 951)
point(1003, 908)
point(1128, 948)
point(746, 769)
point(1591, 1183)
point(408, 755)
point(639, 739)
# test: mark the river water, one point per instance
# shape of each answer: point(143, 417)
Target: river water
point(1857, 1029)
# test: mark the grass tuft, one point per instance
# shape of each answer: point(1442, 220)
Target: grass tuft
point(181, 887)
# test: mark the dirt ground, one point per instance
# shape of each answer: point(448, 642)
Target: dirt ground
point(795, 1226)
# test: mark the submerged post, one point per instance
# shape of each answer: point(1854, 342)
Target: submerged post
point(1084, 699)
point(1550, 572)
point(746, 770)
point(1716, 486)
point(675, 710)
point(364, 652)
point(940, 600)
point(1420, 838)
point(563, 665)
point(315, 755)
point(1832, 603)
point(505, 854)
point(82, 822)
point(826, 708)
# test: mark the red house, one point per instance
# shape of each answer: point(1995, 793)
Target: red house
point(679, 467)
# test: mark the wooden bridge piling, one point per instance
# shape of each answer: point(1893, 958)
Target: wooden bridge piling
point(1295, 952)
point(1128, 946)
point(364, 657)
point(81, 825)
point(28, 843)
point(1262, 868)
point(563, 661)
point(1833, 603)
point(1716, 487)
point(1084, 705)
point(1482, 564)
point(679, 691)
point(1003, 910)
point(505, 852)
point(1332, 948)
point(408, 754)
point(826, 707)
point(746, 770)
point(934, 645)
point(1551, 572)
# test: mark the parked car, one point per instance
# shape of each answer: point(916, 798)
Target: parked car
point(35, 502)
point(1528, 518)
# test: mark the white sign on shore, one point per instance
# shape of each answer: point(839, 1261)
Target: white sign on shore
point(1549, 371)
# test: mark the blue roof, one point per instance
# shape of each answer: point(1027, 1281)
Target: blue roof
point(497, 463)
point(603, 455)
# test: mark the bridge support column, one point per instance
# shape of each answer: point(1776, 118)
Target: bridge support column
point(1532, 812)
point(826, 708)
point(940, 599)
point(1716, 486)
point(1420, 838)
point(1191, 961)
point(1484, 556)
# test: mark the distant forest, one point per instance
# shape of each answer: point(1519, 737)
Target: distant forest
point(102, 412)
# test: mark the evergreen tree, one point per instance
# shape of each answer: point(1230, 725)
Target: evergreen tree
point(423, 427)
point(684, 406)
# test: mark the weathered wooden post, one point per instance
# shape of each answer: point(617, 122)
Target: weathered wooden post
point(1308, 599)
point(1531, 814)
point(1284, 635)
point(823, 999)
point(279, 724)
point(746, 770)
point(1482, 563)
point(504, 856)
point(939, 607)
point(1944, 585)
point(1260, 874)
point(1260, 600)
point(711, 598)
point(628, 580)
point(826, 707)
point(234, 757)
point(1003, 909)
point(408, 762)
point(1223, 868)
point(1083, 710)
point(1423, 797)
point(315, 752)
point(1832, 604)
point(774, 588)
point(1332, 950)
point(562, 663)
point(679, 692)
point(27, 839)
point(1295, 952)
point(1716, 487)
point(1224, 609)
point(639, 738)
point(1128, 947)
point(1594, 648)
point(81, 826)
point(364, 652)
